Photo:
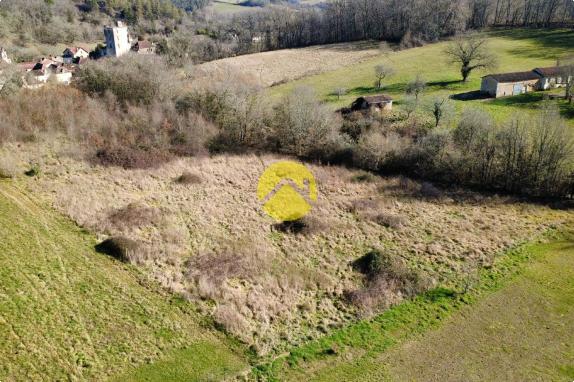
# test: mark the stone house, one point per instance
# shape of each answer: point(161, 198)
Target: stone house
point(510, 84)
point(48, 69)
point(144, 47)
point(378, 103)
point(554, 77)
point(73, 55)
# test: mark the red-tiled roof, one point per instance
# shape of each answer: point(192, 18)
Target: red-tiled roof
point(26, 65)
point(144, 44)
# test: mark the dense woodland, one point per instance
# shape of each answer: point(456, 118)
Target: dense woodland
point(185, 27)
point(410, 21)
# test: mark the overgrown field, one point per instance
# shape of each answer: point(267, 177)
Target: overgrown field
point(69, 313)
point(281, 66)
point(233, 7)
point(202, 234)
point(515, 324)
point(517, 50)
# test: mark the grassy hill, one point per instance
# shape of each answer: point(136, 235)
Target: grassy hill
point(516, 326)
point(71, 314)
point(517, 50)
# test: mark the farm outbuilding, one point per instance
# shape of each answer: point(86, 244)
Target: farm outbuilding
point(509, 84)
point(377, 102)
point(556, 76)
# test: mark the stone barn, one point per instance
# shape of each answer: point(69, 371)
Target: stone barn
point(509, 84)
point(378, 103)
point(554, 77)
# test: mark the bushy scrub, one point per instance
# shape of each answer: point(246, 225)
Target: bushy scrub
point(385, 274)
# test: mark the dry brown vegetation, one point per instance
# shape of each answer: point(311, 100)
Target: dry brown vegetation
point(271, 68)
point(266, 284)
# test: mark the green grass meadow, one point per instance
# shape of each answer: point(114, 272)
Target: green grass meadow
point(70, 313)
point(516, 50)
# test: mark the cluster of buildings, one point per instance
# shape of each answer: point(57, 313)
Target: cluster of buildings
point(493, 85)
point(60, 69)
point(515, 83)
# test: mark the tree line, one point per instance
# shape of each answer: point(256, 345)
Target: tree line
point(408, 21)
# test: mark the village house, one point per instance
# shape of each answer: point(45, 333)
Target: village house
point(47, 69)
point(74, 55)
point(144, 47)
point(554, 77)
point(511, 84)
point(377, 103)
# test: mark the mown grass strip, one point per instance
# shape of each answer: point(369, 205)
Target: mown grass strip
point(402, 322)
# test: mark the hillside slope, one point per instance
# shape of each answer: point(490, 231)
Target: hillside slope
point(516, 50)
point(524, 332)
point(70, 313)
point(517, 324)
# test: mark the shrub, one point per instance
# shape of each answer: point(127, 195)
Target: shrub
point(5, 174)
point(7, 169)
point(390, 220)
point(363, 205)
point(232, 260)
point(188, 178)
point(131, 157)
point(308, 225)
point(228, 319)
point(385, 273)
point(120, 248)
point(363, 177)
point(131, 79)
point(428, 190)
point(33, 171)
point(376, 150)
point(302, 125)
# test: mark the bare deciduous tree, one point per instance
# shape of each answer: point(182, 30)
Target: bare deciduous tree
point(470, 53)
point(416, 87)
point(442, 109)
point(382, 71)
point(568, 65)
point(340, 92)
point(410, 105)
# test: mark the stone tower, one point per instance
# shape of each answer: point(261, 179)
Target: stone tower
point(117, 40)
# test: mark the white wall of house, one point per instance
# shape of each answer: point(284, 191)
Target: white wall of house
point(489, 86)
point(497, 89)
point(117, 41)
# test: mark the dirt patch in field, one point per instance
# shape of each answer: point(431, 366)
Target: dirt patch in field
point(273, 68)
